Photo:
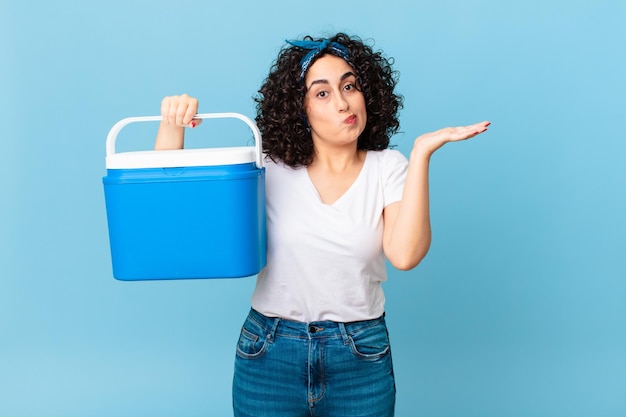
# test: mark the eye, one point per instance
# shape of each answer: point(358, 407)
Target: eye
point(351, 87)
point(322, 94)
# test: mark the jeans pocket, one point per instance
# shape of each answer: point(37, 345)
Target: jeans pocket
point(252, 342)
point(371, 343)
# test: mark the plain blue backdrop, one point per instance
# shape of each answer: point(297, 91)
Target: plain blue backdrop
point(519, 310)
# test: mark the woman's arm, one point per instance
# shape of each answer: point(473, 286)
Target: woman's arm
point(177, 113)
point(407, 234)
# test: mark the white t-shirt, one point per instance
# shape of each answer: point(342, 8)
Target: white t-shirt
point(326, 262)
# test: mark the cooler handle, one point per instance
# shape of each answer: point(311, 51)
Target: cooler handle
point(115, 130)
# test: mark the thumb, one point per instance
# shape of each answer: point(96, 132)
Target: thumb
point(195, 123)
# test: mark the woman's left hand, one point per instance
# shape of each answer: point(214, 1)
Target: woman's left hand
point(430, 142)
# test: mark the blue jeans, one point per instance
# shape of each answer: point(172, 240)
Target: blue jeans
point(286, 368)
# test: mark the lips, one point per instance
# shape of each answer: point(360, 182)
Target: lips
point(350, 120)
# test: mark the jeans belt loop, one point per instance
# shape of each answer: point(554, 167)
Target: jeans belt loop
point(272, 332)
point(344, 334)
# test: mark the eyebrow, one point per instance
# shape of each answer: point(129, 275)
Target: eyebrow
point(324, 81)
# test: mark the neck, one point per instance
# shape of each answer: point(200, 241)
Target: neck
point(337, 159)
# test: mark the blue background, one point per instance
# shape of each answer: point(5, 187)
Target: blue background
point(518, 310)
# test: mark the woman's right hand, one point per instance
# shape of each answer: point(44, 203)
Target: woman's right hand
point(180, 111)
point(177, 112)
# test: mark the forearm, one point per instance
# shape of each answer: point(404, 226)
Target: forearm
point(409, 238)
point(170, 137)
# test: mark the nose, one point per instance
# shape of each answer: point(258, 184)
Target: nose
point(341, 103)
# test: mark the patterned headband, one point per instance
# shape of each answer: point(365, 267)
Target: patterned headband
point(315, 48)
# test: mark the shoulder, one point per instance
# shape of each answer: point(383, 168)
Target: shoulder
point(390, 166)
point(271, 165)
point(278, 169)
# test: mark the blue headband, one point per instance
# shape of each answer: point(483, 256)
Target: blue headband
point(315, 48)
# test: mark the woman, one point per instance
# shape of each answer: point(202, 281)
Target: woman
point(338, 204)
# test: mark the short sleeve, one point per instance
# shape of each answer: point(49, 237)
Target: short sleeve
point(393, 172)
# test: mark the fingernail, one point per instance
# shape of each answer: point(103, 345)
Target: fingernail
point(192, 124)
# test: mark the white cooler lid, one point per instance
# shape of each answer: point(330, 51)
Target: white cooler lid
point(181, 158)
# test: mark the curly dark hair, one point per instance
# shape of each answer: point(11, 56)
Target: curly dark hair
point(280, 101)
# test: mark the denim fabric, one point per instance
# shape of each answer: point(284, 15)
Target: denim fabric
point(289, 369)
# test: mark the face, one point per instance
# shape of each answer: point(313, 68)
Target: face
point(333, 103)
